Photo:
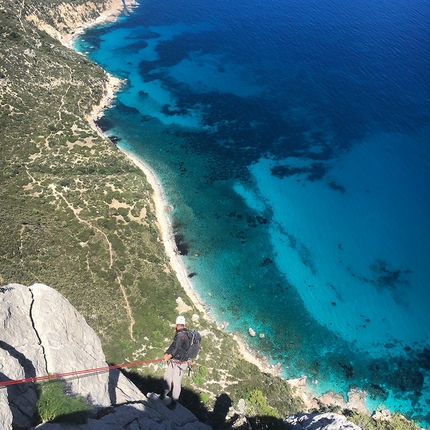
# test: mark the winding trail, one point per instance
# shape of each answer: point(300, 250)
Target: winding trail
point(70, 206)
point(75, 212)
point(128, 308)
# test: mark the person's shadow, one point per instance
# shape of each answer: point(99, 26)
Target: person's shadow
point(218, 416)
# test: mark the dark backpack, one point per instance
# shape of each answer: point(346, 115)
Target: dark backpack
point(195, 342)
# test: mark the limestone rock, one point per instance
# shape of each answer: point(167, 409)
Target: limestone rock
point(251, 332)
point(44, 334)
point(382, 415)
point(327, 421)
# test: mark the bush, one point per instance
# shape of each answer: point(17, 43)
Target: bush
point(397, 422)
point(204, 397)
point(257, 405)
point(55, 405)
point(198, 380)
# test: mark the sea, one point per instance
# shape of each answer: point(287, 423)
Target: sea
point(292, 141)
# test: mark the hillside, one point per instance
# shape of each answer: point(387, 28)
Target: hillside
point(77, 215)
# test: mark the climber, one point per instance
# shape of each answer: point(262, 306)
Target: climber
point(177, 363)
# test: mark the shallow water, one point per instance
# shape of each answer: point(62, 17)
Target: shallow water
point(292, 140)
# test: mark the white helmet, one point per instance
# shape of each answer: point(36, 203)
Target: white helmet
point(180, 320)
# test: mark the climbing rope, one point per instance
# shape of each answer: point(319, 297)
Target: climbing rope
point(76, 372)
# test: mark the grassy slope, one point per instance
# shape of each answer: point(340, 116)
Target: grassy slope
point(78, 216)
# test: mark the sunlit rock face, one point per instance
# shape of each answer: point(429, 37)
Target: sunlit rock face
point(43, 334)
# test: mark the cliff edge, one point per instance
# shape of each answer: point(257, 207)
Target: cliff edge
point(43, 334)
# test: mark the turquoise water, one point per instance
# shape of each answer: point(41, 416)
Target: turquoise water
point(292, 140)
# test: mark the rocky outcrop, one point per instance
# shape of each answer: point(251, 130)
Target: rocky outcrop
point(44, 334)
point(328, 421)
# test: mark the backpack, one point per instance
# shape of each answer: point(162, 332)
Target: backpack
point(195, 343)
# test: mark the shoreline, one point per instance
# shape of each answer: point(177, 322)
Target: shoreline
point(161, 209)
point(356, 398)
point(111, 87)
point(109, 15)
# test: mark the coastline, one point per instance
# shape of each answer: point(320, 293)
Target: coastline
point(356, 398)
point(111, 87)
point(117, 7)
point(177, 265)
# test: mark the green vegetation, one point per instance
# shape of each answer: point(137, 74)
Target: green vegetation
point(257, 405)
point(397, 422)
point(55, 404)
point(77, 215)
point(204, 397)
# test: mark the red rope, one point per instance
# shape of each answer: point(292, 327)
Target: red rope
point(76, 372)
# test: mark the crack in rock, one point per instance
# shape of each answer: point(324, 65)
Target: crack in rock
point(36, 332)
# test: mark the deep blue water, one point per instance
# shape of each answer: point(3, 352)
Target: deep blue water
point(292, 140)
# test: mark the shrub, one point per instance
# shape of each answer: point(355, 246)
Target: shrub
point(204, 397)
point(55, 405)
point(198, 380)
point(258, 405)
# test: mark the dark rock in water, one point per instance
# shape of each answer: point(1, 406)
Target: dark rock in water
point(114, 139)
point(333, 303)
point(375, 391)
point(424, 359)
point(261, 220)
point(336, 187)
point(317, 171)
point(407, 377)
point(251, 221)
point(126, 109)
point(348, 370)
point(181, 245)
point(167, 110)
point(103, 124)
point(192, 274)
point(386, 278)
point(267, 261)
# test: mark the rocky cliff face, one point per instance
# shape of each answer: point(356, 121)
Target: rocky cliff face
point(44, 334)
